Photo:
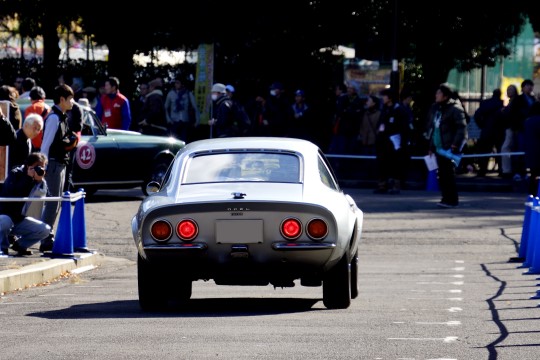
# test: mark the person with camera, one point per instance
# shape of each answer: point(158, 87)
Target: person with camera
point(27, 180)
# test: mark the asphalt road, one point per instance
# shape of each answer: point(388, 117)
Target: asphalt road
point(434, 284)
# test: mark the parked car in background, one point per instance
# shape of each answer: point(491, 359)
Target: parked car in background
point(119, 159)
point(247, 211)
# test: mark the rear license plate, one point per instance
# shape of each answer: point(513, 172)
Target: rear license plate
point(239, 231)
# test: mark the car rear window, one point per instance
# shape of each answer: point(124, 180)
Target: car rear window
point(230, 167)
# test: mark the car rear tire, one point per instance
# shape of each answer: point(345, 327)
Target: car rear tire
point(152, 294)
point(337, 286)
point(354, 276)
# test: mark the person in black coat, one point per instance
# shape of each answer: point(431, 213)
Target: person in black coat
point(22, 147)
point(489, 119)
point(532, 147)
point(7, 132)
point(24, 181)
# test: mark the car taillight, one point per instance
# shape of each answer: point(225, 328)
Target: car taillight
point(161, 230)
point(317, 229)
point(187, 229)
point(291, 229)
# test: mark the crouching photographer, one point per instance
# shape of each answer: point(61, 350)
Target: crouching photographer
point(22, 219)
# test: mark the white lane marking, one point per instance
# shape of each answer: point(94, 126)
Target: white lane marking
point(455, 309)
point(447, 339)
point(56, 295)
point(451, 299)
point(83, 269)
point(20, 302)
point(452, 291)
point(459, 276)
point(459, 268)
point(449, 323)
point(460, 261)
point(439, 283)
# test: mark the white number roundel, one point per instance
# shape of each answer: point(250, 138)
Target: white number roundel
point(85, 155)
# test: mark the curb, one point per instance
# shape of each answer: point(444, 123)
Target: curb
point(44, 271)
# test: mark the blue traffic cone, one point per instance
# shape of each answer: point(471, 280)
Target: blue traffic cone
point(79, 225)
point(432, 182)
point(63, 242)
point(535, 250)
point(533, 233)
point(525, 230)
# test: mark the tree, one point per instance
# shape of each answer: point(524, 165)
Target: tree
point(282, 40)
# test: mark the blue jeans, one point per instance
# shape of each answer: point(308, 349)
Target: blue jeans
point(30, 230)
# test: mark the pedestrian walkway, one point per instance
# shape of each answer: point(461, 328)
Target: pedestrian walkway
point(17, 273)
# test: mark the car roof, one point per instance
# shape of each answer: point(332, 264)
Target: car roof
point(251, 142)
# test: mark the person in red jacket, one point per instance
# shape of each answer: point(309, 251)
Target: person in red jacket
point(113, 107)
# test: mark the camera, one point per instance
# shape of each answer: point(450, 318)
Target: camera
point(39, 170)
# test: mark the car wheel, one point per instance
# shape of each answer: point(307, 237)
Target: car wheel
point(337, 286)
point(157, 174)
point(354, 276)
point(152, 295)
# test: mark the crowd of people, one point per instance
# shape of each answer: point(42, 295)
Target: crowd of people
point(41, 141)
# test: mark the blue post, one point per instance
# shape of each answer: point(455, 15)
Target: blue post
point(63, 242)
point(534, 256)
point(533, 233)
point(79, 225)
point(432, 182)
point(525, 231)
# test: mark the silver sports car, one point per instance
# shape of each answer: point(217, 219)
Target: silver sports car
point(247, 211)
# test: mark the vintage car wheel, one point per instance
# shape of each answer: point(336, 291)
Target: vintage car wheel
point(354, 276)
point(152, 294)
point(337, 286)
point(157, 174)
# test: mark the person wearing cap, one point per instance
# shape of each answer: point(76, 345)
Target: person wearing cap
point(277, 111)
point(229, 90)
point(181, 111)
point(300, 123)
point(113, 108)
point(89, 93)
point(221, 123)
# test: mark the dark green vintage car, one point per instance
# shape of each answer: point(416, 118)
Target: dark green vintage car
point(118, 159)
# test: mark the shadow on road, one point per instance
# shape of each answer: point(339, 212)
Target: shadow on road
point(225, 307)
